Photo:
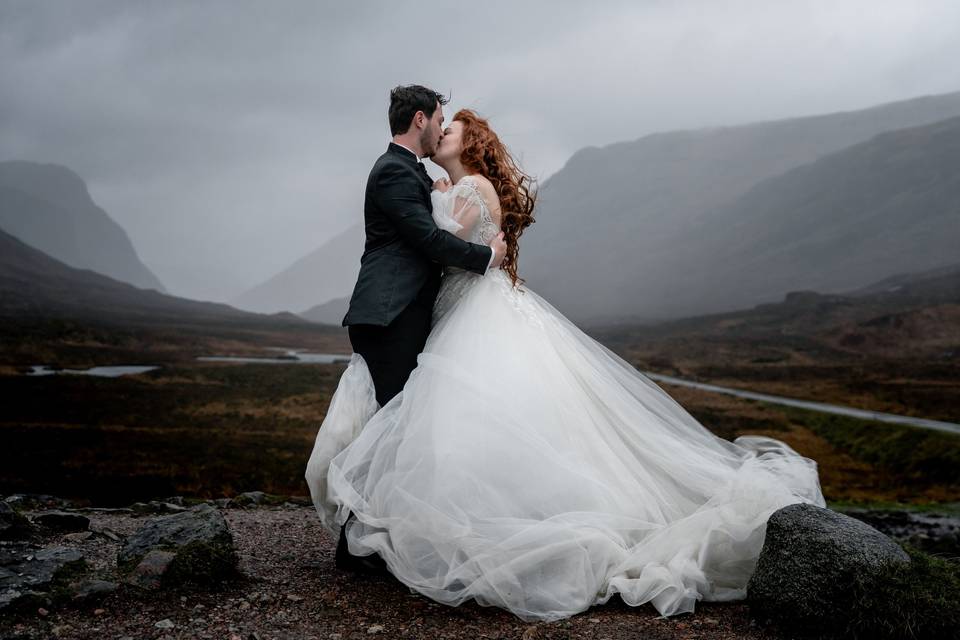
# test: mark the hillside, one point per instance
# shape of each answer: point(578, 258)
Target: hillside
point(49, 207)
point(885, 206)
point(331, 312)
point(32, 284)
point(611, 219)
point(326, 273)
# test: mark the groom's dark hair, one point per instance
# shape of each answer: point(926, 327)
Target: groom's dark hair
point(405, 101)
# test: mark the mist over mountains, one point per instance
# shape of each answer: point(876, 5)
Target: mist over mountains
point(671, 225)
point(613, 224)
point(691, 222)
point(324, 274)
point(33, 284)
point(48, 207)
point(888, 205)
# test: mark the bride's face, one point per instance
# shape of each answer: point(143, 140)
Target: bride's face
point(449, 147)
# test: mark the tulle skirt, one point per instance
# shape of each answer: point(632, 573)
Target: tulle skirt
point(528, 467)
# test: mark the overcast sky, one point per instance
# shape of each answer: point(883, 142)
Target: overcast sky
point(231, 138)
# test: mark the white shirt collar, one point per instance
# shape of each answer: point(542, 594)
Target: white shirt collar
point(408, 149)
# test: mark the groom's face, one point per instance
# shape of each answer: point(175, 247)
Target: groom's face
point(432, 133)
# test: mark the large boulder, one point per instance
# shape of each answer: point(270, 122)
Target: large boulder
point(811, 560)
point(57, 521)
point(30, 576)
point(194, 546)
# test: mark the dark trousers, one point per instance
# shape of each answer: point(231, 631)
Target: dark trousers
point(391, 351)
point(391, 354)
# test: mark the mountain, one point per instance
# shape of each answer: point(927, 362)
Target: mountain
point(33, 284)
point(49, 207)
point(911, 315)
point(610, 221)
point(326, 273)
point(888, 205)
point(330, 312)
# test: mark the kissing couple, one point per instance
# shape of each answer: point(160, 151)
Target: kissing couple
point(479, 445)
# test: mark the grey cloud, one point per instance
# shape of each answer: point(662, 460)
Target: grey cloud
point(230, 138)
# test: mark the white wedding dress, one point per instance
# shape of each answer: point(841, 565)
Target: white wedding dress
point(527, 466)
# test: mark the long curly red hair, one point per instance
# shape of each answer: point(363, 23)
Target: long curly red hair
point(484, 153)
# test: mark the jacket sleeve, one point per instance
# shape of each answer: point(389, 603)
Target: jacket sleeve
point(398, 196)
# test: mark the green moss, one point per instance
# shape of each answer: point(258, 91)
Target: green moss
point(917, 600)
point(202, 563)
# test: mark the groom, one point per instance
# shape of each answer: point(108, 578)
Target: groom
point(389, 315)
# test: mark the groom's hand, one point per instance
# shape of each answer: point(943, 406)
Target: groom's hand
point(499, 250)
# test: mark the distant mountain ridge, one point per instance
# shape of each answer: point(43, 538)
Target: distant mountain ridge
point(49, 207)
point(884, 206)
point(612, 218)
point(33, 284)
point(907, 315)
point(330, 312)
point(324, 274)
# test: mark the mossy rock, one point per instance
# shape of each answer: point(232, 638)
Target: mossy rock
point(199, 539)
point(811, 560)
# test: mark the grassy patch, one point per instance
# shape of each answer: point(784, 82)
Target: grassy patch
point(912, 452)
point(197, 430)
point(916, 600)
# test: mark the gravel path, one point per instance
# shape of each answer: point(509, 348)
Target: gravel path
point(292, 589)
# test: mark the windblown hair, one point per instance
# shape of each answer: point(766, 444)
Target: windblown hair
point(485, 154)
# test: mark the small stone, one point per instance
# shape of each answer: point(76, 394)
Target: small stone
point(166, 623)
point(294, 598)
point(42, 611)
point(110, 534)
point(375, 628)
point(79, 536)
point(595, 620)
point(99, 612)
point(92, 590)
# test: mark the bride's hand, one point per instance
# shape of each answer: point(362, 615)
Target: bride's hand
point(442, 185)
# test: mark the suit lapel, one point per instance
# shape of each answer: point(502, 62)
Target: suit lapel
point(408, 157)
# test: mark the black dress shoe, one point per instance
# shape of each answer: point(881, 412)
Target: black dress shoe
point(346, 561)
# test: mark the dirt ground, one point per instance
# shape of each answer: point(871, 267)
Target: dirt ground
point(292, 589)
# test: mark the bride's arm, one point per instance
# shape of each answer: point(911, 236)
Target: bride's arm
point(457, 209)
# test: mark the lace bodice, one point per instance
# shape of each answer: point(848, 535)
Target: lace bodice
point(462, 211)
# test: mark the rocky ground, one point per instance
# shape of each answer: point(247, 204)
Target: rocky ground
point(288, 587)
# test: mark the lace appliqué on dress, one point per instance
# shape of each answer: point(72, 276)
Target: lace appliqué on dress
point(446, 206)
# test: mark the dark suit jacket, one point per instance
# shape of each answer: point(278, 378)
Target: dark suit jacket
point(404, 251)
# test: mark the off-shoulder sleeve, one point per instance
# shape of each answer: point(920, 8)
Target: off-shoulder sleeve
point(458, 210)
point(442, 212)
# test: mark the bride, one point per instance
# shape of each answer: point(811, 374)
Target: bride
point(525, 465)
